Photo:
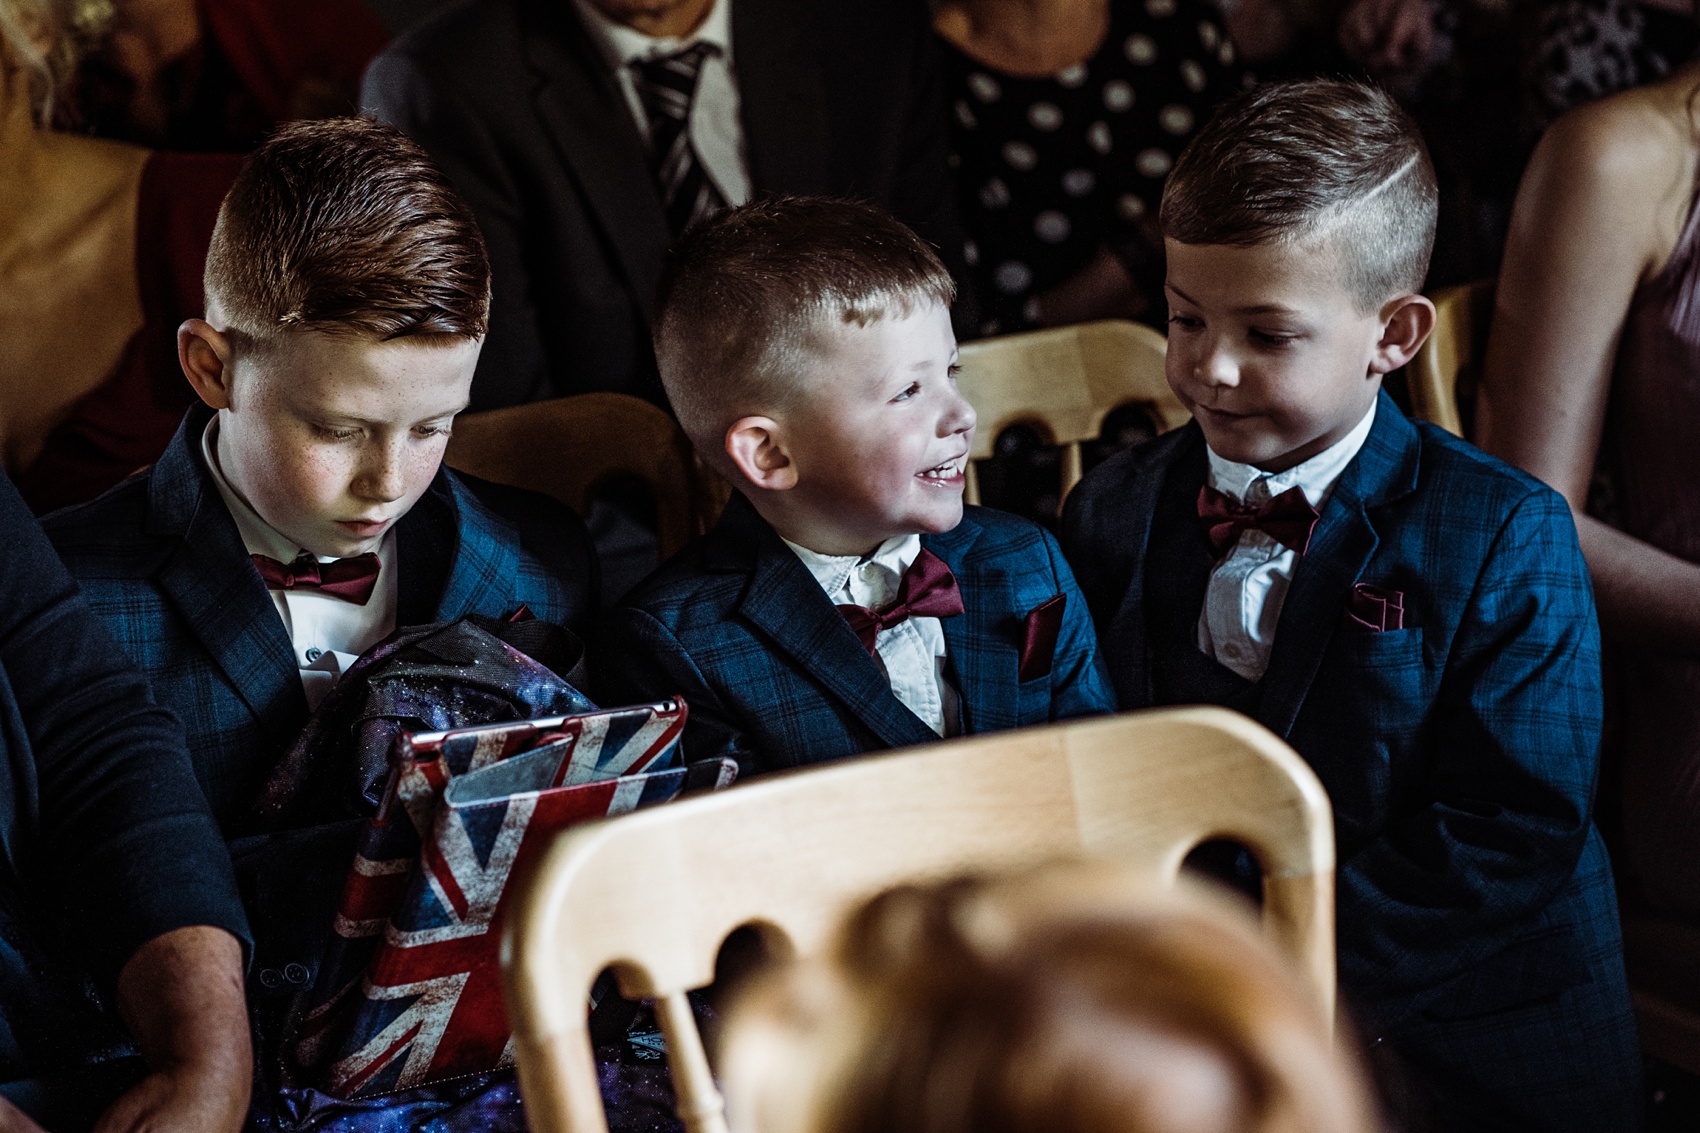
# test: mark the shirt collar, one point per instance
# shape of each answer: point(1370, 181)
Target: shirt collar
point(622, 46)
point(1316, 475)
point(833, 571)
point(260, 537)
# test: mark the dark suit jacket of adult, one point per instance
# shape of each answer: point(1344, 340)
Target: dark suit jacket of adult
point(775, 677)
point(515, 101)
point(161, 559)
point(105, 841)
point(1460, 753)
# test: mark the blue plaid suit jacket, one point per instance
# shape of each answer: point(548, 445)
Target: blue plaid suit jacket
point(1460, 753)
point(775, 677)
point(161, 560)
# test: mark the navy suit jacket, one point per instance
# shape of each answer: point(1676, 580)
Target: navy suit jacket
point(105, 843)
point(516, 102)
point(775, 677)
point(1460, 753)
point(161, 560)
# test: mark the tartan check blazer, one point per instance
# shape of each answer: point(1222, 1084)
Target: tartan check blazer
point(1475, 903)
point(161, 560)
point(775, 677)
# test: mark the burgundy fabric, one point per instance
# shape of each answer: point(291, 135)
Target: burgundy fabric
point(277, 45)
point(1649, 447)
point(928, 590)
point(353, 578)
point(1375, 610)
point(1039, 632)
point(1288, 519)
point(125, 423)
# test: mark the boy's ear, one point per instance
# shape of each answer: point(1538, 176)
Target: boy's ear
point(1406, 323)
point(754, 445)
point(205, 355)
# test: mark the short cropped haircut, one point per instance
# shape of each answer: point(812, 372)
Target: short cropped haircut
point(744, 295)
point(1299, 161)
point(346, 227)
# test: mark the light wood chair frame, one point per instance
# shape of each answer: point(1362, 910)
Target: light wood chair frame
point(654, 894)
point(1454, 349)
point(569, 447)
point(1062, 383)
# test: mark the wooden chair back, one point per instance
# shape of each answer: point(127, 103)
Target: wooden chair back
point(570, 446)
point(1444, 375)
point(1063, 382)
point(654, 894)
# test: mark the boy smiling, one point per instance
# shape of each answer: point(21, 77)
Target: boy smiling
point(845, 602)
point(1411, 615)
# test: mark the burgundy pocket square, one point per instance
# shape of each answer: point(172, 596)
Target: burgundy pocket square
point(1039, 632)
point(1375, 610)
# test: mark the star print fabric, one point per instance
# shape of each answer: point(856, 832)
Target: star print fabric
point(1049, 170)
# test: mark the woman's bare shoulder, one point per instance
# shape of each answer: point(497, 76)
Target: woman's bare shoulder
point(1636, 138)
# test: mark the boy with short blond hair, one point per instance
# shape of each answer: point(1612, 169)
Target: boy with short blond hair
point(846, 601)
point(1413, 616)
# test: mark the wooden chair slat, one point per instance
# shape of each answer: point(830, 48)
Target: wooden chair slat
point(654, 894)
point(569, 447)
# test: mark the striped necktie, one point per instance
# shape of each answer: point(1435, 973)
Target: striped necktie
point(666, 86)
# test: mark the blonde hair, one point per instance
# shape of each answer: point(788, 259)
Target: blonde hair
point(70, 27)
point(745, 295)
point(1070, 999)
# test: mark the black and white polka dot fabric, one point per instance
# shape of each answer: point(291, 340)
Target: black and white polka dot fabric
point(1050, 170)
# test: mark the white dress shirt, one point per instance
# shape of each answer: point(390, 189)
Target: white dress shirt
point(716, 131)
point(912, 652)
point(1247, 588)
point(327, 632)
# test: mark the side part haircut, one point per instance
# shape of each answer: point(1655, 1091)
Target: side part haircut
point(1323, 159)
point(745, 295)
point(345, 226)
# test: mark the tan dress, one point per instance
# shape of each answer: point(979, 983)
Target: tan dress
point(1653, 445)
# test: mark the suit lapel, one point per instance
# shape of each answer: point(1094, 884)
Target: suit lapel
point(781, 95)
point(215, 589)
point(456, 557)
point(980, 643)
point(788, 606)
point(582, 109)
point(1345, 540)
point(1127, 646)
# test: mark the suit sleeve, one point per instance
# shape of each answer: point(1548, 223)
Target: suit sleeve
point(1514, 756)
point(513, 368)
point(642, 661)
point(103, 817)
point(1079, 683)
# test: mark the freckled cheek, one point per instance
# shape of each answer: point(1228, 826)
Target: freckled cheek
point(321, 475)
point(420, 468)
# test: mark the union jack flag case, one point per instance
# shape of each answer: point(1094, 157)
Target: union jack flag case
point(410, 992)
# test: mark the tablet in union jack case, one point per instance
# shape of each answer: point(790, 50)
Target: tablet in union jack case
point(411, 991)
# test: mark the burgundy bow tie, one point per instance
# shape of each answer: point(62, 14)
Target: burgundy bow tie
point(1288, 519)
point(353, 579)
point(928, 590)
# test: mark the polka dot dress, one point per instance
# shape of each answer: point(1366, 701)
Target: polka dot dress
point(1050, 170)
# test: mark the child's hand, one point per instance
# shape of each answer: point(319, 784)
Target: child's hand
point(1391, 39)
